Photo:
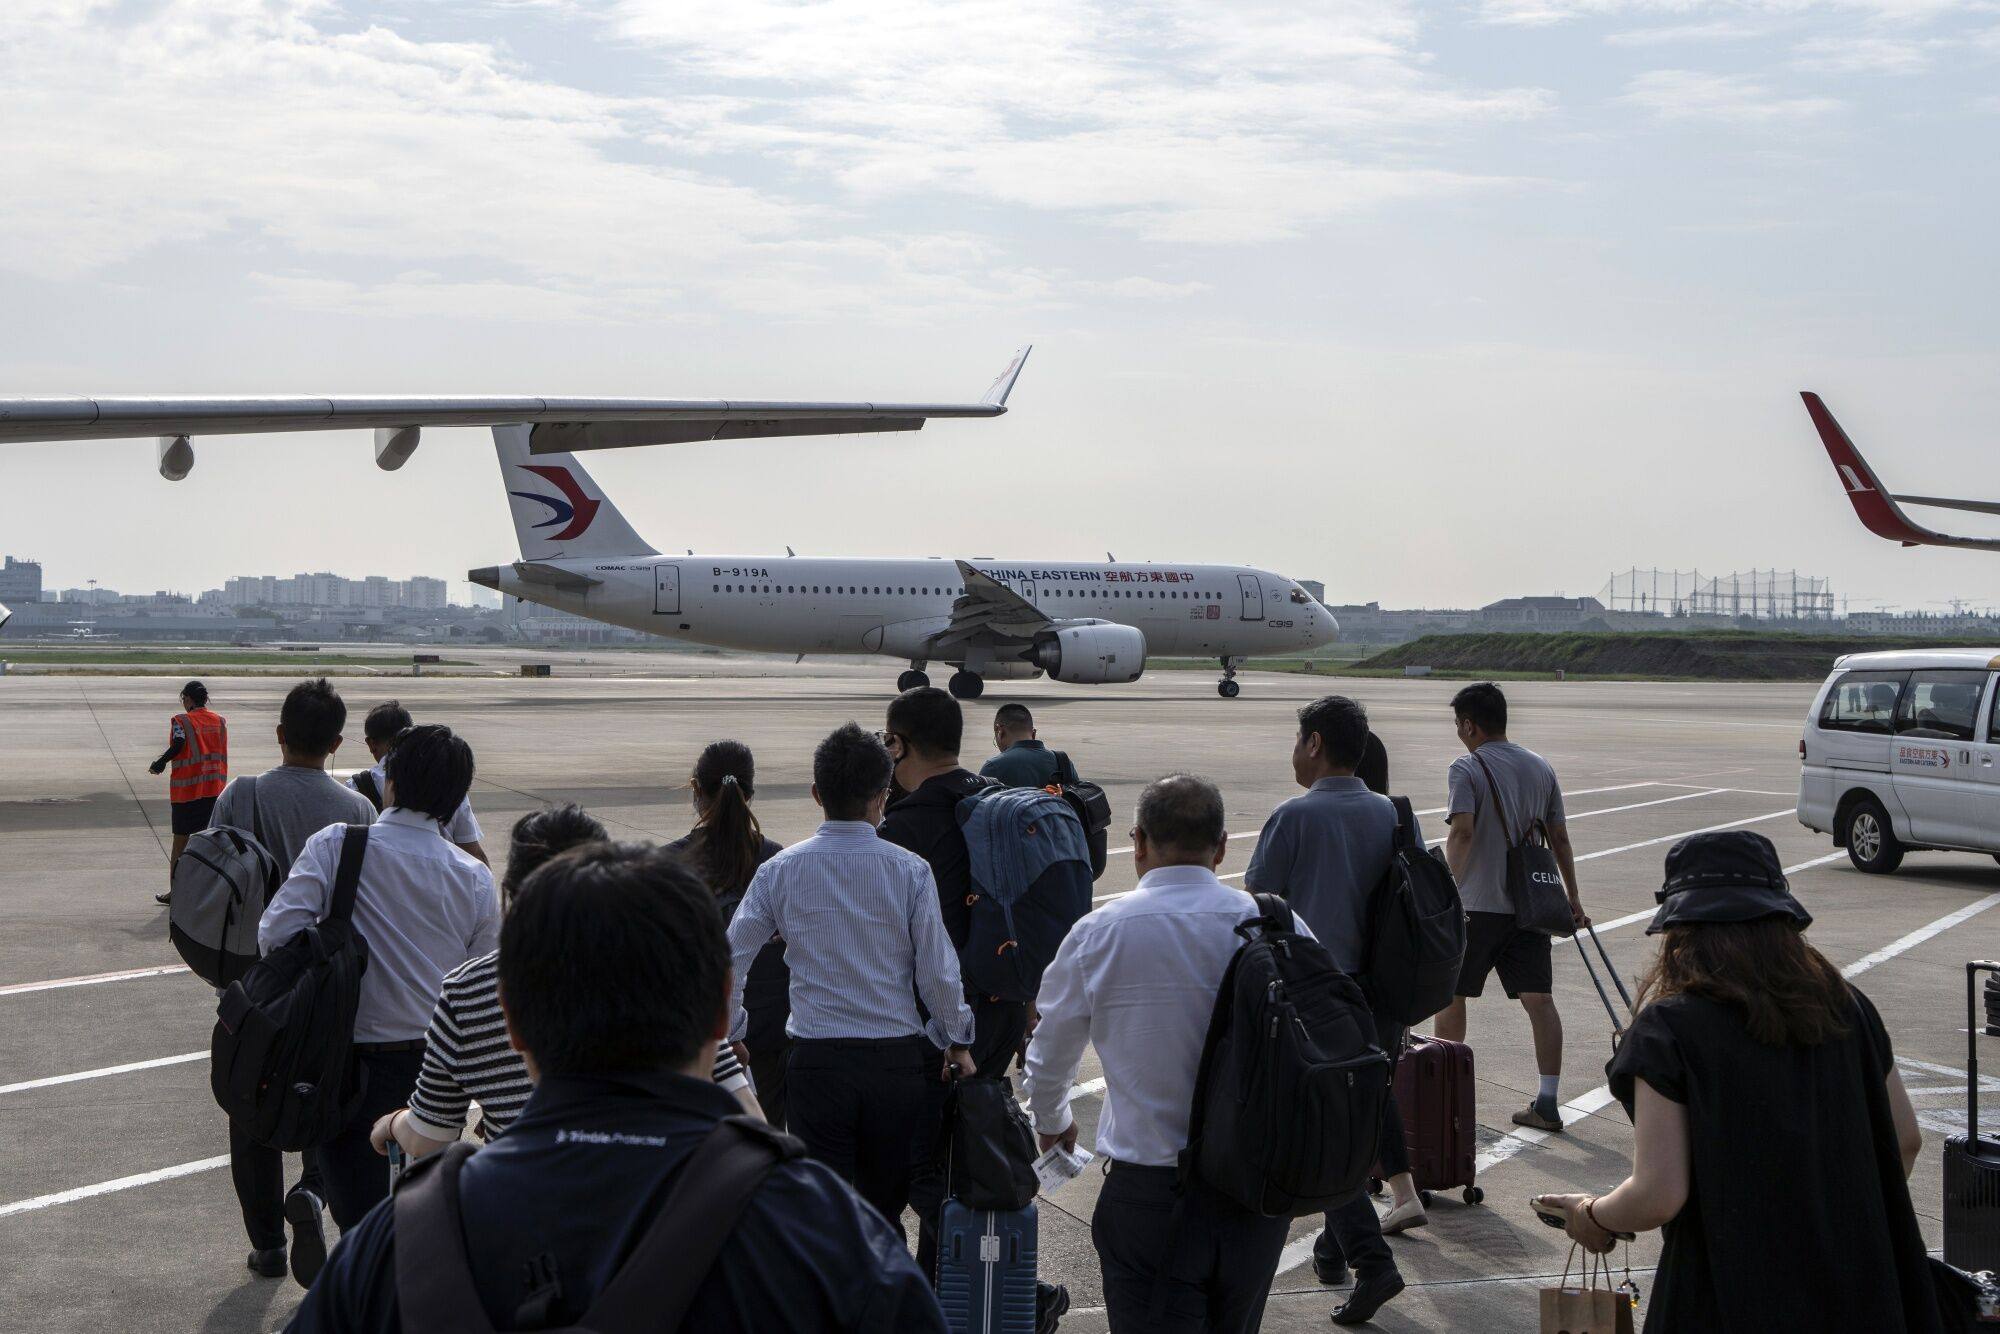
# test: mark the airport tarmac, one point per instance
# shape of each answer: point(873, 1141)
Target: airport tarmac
point(115, 1205)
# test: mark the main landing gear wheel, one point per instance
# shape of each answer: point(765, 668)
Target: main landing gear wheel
point(911, 680)
point(966, 685)
point(1228, 689)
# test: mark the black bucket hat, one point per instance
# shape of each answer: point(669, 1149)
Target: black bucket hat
point(1732, 876)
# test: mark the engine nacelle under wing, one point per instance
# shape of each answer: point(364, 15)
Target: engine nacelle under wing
point(1096, 653)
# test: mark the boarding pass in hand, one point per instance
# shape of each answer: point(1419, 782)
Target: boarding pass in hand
point(1059, 1165)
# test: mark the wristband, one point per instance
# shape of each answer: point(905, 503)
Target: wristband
point(1590, 1212)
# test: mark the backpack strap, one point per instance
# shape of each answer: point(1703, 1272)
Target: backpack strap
point(364, 783)
point(249, 782)
point(1065, 765)
point(1406, 825)
point(1275, 915)
point(347, 878)
point(434, 1287)
point(657, 1283)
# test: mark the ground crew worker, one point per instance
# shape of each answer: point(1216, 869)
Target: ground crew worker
point(198, 749)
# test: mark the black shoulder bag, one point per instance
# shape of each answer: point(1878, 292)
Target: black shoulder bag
point(1534, 880)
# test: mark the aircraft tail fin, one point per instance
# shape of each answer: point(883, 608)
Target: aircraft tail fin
point(559, 510)
point(1873, 505)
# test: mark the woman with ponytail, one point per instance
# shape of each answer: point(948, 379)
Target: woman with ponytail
point(725, 848)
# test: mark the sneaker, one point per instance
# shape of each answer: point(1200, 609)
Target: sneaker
point(1404, 1217)
point(1331, 1273)
point(1051, 1303)
point(1541, 1114)
point(269, 1263)
point(304, 1210)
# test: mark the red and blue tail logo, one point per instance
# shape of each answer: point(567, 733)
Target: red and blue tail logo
point(573, 508)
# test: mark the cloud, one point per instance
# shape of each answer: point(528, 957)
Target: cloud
point(1691, 95)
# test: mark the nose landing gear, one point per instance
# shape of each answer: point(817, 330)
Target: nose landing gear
point(1227, 686)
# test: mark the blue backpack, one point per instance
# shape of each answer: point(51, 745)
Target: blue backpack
point(1031, 881)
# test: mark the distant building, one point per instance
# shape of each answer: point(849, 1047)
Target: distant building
point(20, 582)
point(324, 590)
point(1539, 613)
point(1922, 624)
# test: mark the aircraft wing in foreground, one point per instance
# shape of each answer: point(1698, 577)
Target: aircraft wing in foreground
point(558, 425)
point(1881, 512)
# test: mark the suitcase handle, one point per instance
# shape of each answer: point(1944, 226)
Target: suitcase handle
point(1972, 972)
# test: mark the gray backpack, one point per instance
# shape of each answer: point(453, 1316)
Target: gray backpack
point(223, 880)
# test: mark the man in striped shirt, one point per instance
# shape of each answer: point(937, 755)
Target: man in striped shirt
point(864, 939)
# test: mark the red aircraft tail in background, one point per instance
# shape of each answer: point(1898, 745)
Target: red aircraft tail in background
point(1880, 511)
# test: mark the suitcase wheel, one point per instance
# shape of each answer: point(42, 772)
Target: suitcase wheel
point(1425, 1197)
point(1473, 1195)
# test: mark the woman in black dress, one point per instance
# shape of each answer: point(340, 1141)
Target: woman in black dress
point(1772, 1136)
point(725, 848)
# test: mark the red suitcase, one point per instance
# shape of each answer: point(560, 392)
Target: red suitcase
point(1440, 1125)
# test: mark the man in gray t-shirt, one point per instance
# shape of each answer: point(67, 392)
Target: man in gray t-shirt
point(284, 807)
point(1497, 792)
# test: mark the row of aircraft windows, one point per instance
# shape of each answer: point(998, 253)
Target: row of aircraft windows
point(1180, 593)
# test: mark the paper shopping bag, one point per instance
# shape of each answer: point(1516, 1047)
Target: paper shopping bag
point(1592, 1308)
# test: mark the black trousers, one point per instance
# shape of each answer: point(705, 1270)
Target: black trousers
point(357, 1177)
point(1354, 1231)
point(997, 1029)
point(858, 1103)
point(258, 1173)
point(770, 1052)
point(1213, 1261)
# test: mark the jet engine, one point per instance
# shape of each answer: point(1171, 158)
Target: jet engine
point(1097, 653)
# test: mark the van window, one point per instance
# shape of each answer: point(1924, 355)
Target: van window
point(1863, 702)
point(1944, 705)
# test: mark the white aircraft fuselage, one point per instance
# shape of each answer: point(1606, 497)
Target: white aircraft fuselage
point(895, 608)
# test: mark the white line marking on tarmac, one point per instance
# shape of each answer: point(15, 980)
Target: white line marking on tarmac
point(22, 988)
point(1918, 936)
point(108, 1187)
point(127, 1068)
point(1675, 838)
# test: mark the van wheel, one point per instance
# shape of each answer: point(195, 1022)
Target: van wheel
point(1871, 843)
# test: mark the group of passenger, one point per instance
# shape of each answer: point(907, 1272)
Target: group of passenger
point(608, 1004)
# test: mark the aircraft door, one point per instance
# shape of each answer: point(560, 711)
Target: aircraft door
point(1253, 597)
point(666, 590)
point(1026, 588)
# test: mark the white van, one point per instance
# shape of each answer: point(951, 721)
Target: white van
point(1899, 755)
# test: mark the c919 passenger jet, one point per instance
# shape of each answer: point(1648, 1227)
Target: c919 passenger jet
point(1081, 623)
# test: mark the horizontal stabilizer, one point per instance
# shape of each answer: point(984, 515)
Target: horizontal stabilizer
point(1973, 506)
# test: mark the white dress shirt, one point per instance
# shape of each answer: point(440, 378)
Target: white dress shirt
point(1137, 979)
point(423, 906)
point(861, 924)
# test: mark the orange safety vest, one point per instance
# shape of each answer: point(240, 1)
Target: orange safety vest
point(202, 769)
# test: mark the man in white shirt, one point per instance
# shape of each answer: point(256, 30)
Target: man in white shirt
point(1137, 979)
point(423, 907)
point(387, 722)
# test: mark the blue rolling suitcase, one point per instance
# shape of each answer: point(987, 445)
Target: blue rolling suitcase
point(986, 1269)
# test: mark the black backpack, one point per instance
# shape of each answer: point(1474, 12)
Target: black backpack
point(1288, 1098)
point(651, 1290)
point(1012, 930)
point(280, 1060)
point(364, 783)
point(1092, 807)
point(987, 1151)
point(1416, 930)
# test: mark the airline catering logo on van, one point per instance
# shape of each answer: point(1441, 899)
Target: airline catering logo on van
point(1923, 757)
point(577, 510)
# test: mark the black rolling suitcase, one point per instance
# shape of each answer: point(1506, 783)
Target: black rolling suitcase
point(1972, 1162)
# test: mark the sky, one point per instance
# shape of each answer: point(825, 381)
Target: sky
point(1436, 303)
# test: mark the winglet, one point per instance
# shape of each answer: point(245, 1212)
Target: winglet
point(997, 395)
point(1873, 504)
